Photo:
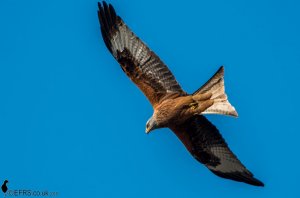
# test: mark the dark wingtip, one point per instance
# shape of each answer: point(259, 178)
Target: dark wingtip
point(220, 70)
point(108, 22)
point(104, 3)
point(107, 16)
point(255, 182)
point(248, 178)
point(240, 177)
point(100, 5)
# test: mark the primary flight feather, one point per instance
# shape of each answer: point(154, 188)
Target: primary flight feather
point(173, 107)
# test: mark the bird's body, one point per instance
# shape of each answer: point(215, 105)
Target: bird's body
point(179, 109)
point(173, 107)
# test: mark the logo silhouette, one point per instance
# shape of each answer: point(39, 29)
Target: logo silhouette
point(4, 187)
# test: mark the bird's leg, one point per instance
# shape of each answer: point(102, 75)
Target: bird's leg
point(197, 108)
point(200, 103)
point(202, 97)
point(203, 105)
point(193, 105)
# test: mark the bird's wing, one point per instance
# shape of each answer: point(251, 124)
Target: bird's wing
point(141, 64)
point(206, 144)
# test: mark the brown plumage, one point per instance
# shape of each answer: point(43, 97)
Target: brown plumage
point(173, 107)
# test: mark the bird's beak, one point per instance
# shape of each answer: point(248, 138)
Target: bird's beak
point(147, 130)
point(151, 125)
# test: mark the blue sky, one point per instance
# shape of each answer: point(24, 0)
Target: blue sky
point(72, 122)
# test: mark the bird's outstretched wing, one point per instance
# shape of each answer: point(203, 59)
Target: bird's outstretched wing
point(206, 144)
point(141, 64)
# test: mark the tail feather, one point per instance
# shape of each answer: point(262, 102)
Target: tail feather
point(215, 86)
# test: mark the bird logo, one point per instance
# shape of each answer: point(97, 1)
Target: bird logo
point(4, 187)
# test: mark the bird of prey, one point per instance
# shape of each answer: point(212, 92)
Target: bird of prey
point(173, 107)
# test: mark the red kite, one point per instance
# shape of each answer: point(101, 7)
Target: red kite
point(173, 107)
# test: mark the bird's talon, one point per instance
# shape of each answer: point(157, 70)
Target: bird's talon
point(193, 105)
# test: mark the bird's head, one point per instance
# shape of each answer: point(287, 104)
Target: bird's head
point(151, 125)
point(5, 181)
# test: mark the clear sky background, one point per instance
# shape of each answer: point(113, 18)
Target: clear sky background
point(72, 122)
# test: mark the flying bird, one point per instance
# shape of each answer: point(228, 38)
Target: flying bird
point(173, 108)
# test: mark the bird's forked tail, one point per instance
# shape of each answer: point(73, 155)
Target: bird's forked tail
point(215, 86)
